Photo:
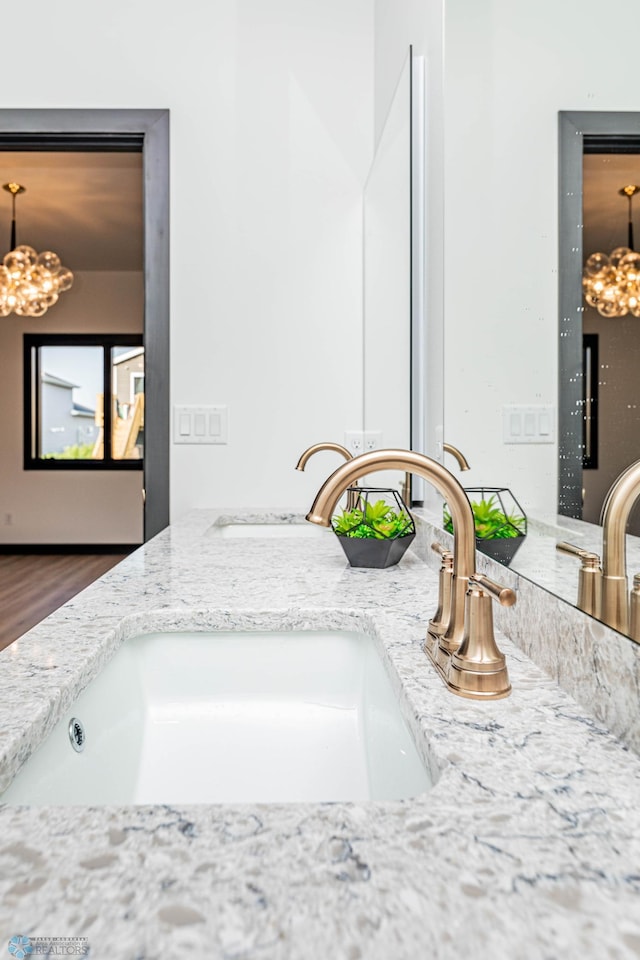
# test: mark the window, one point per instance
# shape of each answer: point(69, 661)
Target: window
point(83, 401)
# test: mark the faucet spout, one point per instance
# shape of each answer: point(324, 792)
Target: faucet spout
point(446, 484)
point(458, 454)
point(352, 496)
point(326, 445)
point(615, 515)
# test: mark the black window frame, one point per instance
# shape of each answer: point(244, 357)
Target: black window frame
point(31, 371)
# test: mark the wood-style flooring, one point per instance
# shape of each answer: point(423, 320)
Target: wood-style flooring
point(34, 585)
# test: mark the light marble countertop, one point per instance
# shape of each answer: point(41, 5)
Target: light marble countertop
point(527, 847)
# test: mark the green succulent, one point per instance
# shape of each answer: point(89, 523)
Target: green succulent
point(378, 521)
point(491, 523)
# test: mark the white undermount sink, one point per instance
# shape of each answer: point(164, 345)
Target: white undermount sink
point(278, 531)
point(218, 717)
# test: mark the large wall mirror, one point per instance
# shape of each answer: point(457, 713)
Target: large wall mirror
point(541, 388)
point(597, 358)
point(599, 346)
point(395, 337)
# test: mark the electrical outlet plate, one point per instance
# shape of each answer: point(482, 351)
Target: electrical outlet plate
point(354, 442)
point(372, 440)
point(362, 441)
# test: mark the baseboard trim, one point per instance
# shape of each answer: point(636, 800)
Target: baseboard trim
point(68, 547)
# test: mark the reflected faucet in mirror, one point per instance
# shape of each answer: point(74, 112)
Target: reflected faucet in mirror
point(352, 495)
point(463, 649)
point(447, 448)
point(612, 603)
point(460, 457)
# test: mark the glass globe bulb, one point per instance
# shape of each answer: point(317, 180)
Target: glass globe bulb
point(37, 308)
point(618, 255)
point(28, 255)
point(609, 308)
point(596, 263)
point(630, 263)
point(49, 261)
point(15, 263)
point(64, 279)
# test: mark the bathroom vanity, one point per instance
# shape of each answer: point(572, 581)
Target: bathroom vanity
point(525, 843)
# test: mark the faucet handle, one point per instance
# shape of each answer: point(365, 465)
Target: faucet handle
point(505, 596)
point(478, 668)
point(438, 548)
point(564, 547)
point(589, 578)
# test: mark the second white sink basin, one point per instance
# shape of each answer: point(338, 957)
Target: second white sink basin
point(230, 717)
point(278, 531)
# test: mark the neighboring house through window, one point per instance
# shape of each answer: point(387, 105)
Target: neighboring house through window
point(83, 401)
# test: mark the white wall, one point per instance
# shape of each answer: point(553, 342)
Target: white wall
point(271, 139)
point(509, 68)
point(57, 506)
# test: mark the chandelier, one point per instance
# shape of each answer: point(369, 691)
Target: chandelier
point(30, 282)
point(611, 283)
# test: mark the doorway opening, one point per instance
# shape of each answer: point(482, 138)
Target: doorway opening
point(108, 206)
point(598, 408)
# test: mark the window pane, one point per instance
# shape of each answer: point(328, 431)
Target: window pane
point(127, 386)
point(71, 390)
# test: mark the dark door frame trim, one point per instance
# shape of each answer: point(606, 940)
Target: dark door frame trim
point(73, 128)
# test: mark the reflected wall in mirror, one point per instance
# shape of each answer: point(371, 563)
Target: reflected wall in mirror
point(394, 331)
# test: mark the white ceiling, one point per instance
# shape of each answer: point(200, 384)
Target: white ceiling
point(86, 207)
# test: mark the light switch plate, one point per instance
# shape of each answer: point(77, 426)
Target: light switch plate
point(532, 423)
point(194, 424)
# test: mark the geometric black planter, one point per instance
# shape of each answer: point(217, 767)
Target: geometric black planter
point(501, 550)
point(375, 553)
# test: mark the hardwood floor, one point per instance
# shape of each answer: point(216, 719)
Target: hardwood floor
point(34, 585)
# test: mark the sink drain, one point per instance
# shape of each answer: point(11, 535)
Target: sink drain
point(76, 734)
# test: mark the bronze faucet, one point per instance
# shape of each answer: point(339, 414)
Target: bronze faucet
point(615, 515)
point(613, 604)
point(352, 496)
point(447, 448)
point(465, 654)
point(328, 445)
point(460, 457)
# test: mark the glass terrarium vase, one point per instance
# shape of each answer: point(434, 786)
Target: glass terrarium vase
point(377, 531)
point(500, 522)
